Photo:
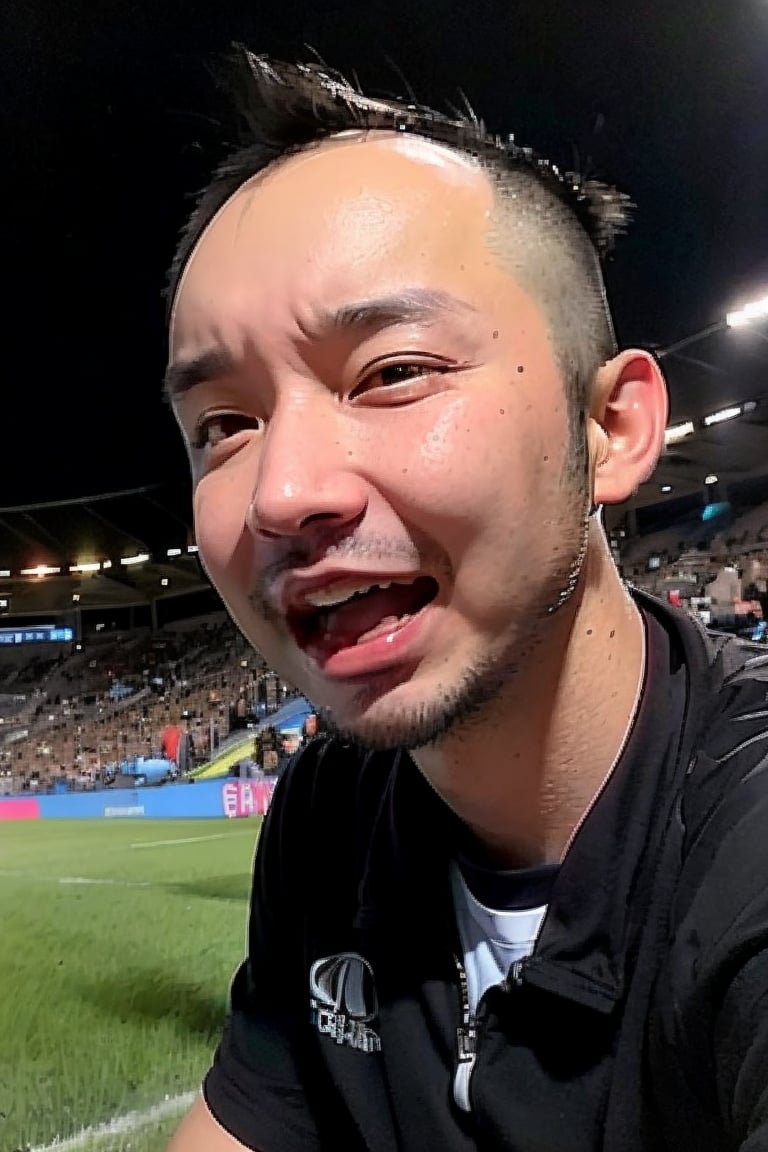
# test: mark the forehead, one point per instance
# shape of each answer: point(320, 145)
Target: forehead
point(360, 211)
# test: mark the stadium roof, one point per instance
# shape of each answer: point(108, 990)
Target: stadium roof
point(90, 539)
point(713, 377)
point(114, 549)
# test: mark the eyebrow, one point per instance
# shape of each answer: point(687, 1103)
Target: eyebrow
point(182, 376)
point(416, 305)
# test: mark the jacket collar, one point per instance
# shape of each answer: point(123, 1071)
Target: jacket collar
point(602, 892)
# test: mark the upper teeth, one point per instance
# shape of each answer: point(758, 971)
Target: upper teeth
point(344, 590)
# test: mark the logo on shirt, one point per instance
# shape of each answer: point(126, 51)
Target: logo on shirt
point(343, 1000)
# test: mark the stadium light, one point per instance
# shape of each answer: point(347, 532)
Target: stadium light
point(173, 552)
point(677, 432)
point(40, 571)
point(721, 416)
point(90, 567)
point(738, 318)
point(5, 572)
point(192, 548)
point(666, 487)
point(139, 558)
point(711, 479)
point(756, 310)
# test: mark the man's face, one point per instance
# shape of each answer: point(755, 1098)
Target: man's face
point(377, 430)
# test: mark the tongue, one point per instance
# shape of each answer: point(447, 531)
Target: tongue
point(378, 610)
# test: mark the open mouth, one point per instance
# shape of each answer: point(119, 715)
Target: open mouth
point(350, 613)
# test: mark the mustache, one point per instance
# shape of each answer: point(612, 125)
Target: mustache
point(383, 549)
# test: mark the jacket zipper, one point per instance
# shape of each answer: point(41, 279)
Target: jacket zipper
point(466, 1032)
point(516, 970)
point(466, 1044)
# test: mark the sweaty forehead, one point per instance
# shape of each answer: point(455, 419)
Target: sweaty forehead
point(360, 213)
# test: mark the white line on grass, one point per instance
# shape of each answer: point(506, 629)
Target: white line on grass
point(121, 1125)
point(69, 880)
point(106, 881)
point(188, 840)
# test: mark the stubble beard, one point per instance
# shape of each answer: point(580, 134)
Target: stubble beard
point(473, 699)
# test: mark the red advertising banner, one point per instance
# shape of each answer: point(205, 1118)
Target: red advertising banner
point(22, 809)
point(246, 797)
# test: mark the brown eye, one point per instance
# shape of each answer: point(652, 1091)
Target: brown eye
point(405, 381)
point(396, 373)
point(213, 429)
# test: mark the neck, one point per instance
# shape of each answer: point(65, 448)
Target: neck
point(523, 776)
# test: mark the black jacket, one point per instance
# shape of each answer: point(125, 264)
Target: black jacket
point(640, 1022)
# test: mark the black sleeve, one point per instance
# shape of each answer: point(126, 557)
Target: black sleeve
point(257, 1086)
point(741, 1054)
point(719, 1006)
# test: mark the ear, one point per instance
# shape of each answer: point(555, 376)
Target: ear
point(625, 431)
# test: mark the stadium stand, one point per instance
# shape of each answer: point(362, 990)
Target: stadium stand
point(151, 650)
point(74, 728)
point(718, 567)
point(155, 669)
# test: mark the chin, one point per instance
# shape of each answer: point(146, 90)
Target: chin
point(414, 713)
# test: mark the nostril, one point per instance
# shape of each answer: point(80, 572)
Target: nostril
point(321, 518)
point(286, 519)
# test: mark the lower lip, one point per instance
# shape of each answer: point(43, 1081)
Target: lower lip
point(374, 656)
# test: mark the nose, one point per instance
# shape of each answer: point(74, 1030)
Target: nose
point(305, 477)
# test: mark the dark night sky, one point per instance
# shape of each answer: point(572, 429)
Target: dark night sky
point(107, 114)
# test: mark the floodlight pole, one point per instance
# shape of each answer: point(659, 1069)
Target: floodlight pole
point(741, 318)
point(678, 345)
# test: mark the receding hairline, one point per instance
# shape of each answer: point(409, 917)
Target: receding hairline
point(285, 108)
point(413, 146)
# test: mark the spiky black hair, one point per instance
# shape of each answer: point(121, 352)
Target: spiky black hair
point(284, 108)
point(556, 226)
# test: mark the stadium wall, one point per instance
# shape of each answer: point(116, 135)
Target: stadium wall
point(205, 800)
point(20, 809)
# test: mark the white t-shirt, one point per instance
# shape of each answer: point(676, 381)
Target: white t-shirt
point(491, 942)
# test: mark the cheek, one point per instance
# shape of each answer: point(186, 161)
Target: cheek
point(219, 513)
point(486, 483)
point(433, 453)
point(482, 447)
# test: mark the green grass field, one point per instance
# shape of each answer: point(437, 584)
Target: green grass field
point(117, 944)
